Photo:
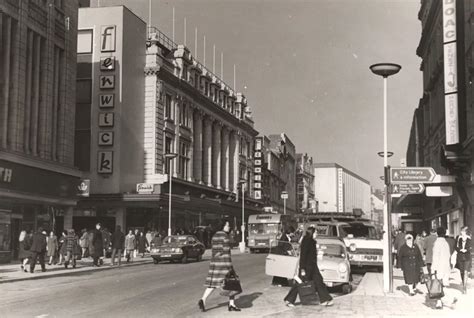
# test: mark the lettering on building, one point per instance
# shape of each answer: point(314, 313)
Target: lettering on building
point(106, 81)
point(105, 162)
point(107, 38)
point(106, 100)
point(106, 138)
point(107, 63)
point(106, 119)
point(6, 175)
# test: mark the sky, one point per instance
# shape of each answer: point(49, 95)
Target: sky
point(304, 68)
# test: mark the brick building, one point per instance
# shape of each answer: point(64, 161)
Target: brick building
point(437, 140)
point(38, 69)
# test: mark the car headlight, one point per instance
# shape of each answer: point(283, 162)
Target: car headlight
point(352, 247)
point(176, 250)
point(342, 268)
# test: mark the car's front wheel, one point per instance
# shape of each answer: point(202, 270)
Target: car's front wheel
point(346, 288)
point(155, 261)
point(184, 260)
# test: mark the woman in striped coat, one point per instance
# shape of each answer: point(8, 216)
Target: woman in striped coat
point(220, 266)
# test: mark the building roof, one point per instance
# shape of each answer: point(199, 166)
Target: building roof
point(335, 165)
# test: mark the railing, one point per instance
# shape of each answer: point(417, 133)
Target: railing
point(162, 39)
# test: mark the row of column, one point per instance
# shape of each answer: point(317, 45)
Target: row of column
point(216, 153)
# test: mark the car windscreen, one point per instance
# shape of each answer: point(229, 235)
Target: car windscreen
point(175, 239)
point(264, 228)
point(359, 231)
point(331, 250)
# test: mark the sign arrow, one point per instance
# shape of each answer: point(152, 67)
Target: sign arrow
point(408, 188)
point(412, 175)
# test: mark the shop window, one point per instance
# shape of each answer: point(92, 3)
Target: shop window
point(183, 115)
point(84, 41)
point(168, 142)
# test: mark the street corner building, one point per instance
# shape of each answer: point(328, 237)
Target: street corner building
point(38, 178)
point(142, 96)
point(442, 130)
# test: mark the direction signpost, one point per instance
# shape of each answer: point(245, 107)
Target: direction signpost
point(408, 188)
point(412, 175)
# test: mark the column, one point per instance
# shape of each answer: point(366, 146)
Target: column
point(207, 153)
point(216, 155)
point(197, 149)
point(225, 165)
point(231, 160)
point(190, 164)
point(236, 159)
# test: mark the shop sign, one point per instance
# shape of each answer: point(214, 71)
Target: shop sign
point(83, 189)
point(26, 179)
point(6, 174)
point(106, 100)
point(107, 38)
point(145, 188)
point(105, 162)
point(449, 20)
point(439, 191)
point(107, 63)
point(451, 118)
point(106, 138)
point(258, 194)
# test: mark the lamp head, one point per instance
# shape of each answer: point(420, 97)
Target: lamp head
point(385, 69)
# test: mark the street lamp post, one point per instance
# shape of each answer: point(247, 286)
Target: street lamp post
point(242, 183)
point(385, 70)
point(170, 157)
point(284, 196)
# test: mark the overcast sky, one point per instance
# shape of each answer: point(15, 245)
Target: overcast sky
point(304, 68)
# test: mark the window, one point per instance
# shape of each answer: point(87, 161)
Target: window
point(168, 106)
point(206, 88)
point(84, 41)
point(183, 115)
point(196, 80)
point(183, 160)
point(185, 72)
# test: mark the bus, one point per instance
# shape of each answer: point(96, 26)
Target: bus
point(264, 229)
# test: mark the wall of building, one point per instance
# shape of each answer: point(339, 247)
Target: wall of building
point(325, 188)
point(116, 166)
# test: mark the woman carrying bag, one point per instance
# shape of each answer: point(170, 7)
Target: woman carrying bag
point(463, 256)
point(309, 271)
point(220, 268)
point(411, 263)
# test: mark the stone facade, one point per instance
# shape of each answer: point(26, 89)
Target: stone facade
point(305, 183)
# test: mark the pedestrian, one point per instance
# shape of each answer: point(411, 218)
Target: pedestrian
point(24, 253)
point(129, 246)
point(106, 242)
point(137, 235)
point(463, 257)
point(118, 241)
point(429, 243)
point(142, 244)
point(38, 249)
point(98, 245)
point(420, 243)
point(220, 265)
point(52, 247)
point(440, 266)
point(84, 242)
point(309, 270)
point(62, 247)
point(411, 263)
point(156, 240)
point(71, 248)
point(399, 242)
point(149, 237)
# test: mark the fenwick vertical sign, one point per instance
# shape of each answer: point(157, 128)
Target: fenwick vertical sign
point(450, 72)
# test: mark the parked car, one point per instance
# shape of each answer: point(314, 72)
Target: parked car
point(333, 262)
point(178, 248)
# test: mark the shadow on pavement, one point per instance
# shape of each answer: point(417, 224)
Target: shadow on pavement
point(246, 301)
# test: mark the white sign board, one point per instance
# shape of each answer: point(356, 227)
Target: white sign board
point(451, 118)
point(145, 188)
point(439, 191)
point(450, 68)
point(284, 195)
point(449, 20)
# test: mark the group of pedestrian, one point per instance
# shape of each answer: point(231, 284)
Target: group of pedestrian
point(221, 268)
point(441, 255)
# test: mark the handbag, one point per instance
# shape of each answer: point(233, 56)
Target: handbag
point(307, 293)
point(435, 288)
point(454, 258)
point(231, 285)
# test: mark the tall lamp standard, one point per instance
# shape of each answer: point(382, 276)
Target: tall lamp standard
point(385, 70)
point(242, 183)
point(170, 157)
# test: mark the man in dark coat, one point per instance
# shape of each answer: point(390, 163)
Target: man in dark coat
point(98, 244)
point(38, 249)
point(118, 241)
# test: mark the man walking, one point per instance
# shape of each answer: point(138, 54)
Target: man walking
point(118, 242)
point(38, 249)
point(429, 243)
point(98, 244)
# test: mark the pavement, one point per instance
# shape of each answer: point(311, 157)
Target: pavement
point(172, 290)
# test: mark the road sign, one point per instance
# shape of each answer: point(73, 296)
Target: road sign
point(412, 175)
point(284, 195)
point(408, 188)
